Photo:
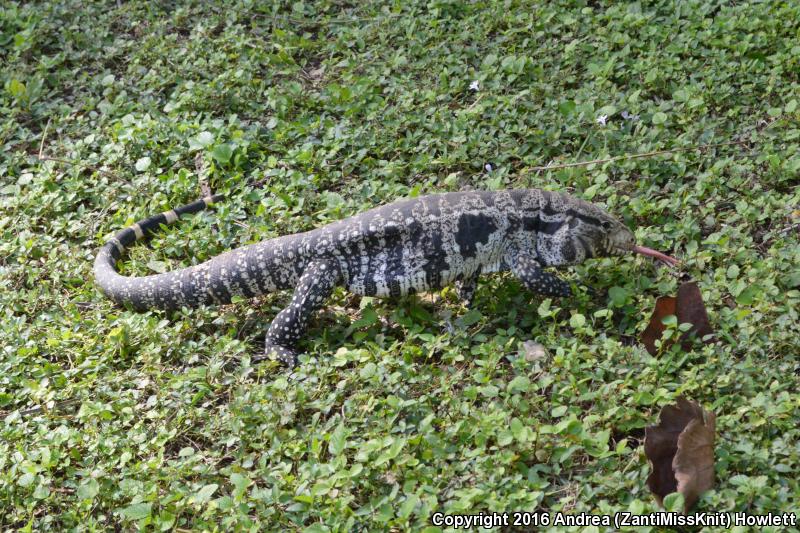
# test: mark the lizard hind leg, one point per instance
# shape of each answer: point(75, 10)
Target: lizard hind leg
point(315, 285)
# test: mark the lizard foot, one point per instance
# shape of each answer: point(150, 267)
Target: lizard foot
point(285, 355)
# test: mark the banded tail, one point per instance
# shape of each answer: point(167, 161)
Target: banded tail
point(191, 286)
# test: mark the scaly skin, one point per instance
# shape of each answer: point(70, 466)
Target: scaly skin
point(408, 246)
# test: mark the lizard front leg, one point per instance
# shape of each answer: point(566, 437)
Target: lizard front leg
point(535, 279)
point(315, 285)
point(466, 287)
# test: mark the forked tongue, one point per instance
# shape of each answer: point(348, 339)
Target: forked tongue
point(671, 261)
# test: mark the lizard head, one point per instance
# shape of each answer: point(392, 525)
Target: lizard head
point(573, 230)
point(578, 230)
point(615, 236)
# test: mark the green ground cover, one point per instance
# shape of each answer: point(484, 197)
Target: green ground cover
point(304, 113)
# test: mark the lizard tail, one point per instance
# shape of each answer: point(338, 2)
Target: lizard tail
point(188, 286)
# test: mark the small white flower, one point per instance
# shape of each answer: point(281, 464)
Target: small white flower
point(629, 116)
point(487, 167)
point(475, 86)
point(602, 120)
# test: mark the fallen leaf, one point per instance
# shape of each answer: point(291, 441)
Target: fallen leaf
point(317, 73)
point(694, 462)
point(533, 351)
point(688, 308)
point(665, 306)
point(680, 450)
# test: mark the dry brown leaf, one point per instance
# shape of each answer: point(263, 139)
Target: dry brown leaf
point(688, 308)
point(694, 462)
point(665, 306)
point(681, 452)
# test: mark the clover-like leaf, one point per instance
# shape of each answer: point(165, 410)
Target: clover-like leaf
point(222, 153)
point(142, 164)
point(201, 140)
point(136, 511)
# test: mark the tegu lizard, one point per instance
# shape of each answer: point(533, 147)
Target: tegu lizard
point(408, 246)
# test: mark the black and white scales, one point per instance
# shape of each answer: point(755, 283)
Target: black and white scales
point(408, 246)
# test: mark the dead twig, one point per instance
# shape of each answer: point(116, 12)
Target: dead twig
point(632, 156)
point(335, 20)
point(76, 164)
point(43, 157)
point(58, 407)
point(790, 228)
point(779, 233)
point(44, 136)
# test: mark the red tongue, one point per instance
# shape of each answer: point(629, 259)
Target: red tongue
point(671, 261)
